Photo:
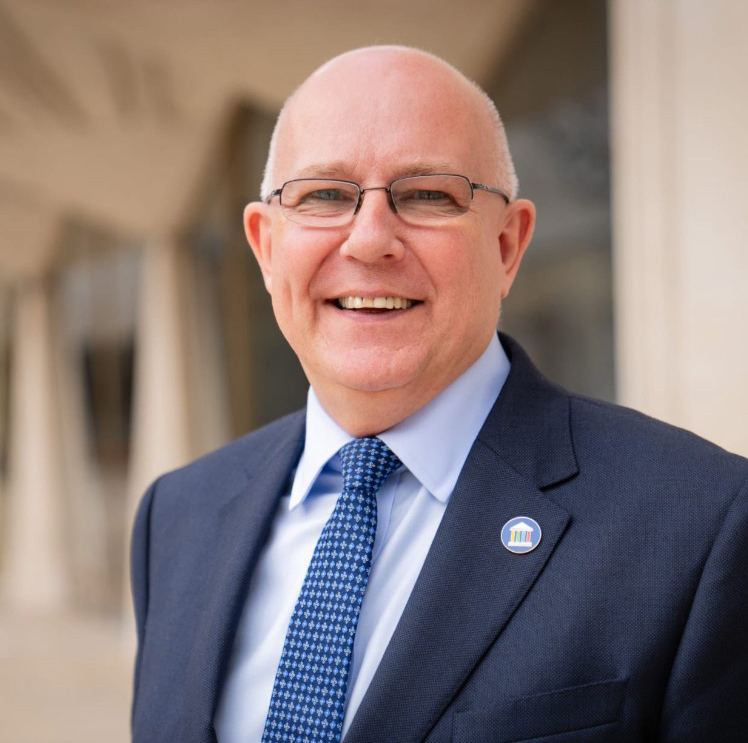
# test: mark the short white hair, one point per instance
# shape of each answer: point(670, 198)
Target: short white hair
point(506, 175)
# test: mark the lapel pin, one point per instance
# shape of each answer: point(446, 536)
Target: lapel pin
point(521, 535)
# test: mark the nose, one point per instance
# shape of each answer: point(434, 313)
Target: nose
point(374, 232)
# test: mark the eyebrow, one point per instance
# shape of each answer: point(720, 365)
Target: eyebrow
point(340, 169)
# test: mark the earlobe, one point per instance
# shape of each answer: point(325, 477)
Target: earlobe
point(257, 228)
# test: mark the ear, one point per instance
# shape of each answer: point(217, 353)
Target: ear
point(257, 228)
point(515, 236)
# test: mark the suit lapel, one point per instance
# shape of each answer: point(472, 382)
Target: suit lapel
point(470, 586)
point(241, 520)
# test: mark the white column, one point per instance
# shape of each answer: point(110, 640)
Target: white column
point(161, 422)
point(680, 159)
point(35, 572)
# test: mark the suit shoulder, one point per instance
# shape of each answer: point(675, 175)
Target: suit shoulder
point(233, 463)
point(647, 444)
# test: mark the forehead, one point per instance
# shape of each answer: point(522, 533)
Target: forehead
point(383, 115)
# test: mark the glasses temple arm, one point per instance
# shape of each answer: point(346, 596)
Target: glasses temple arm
point(498, 191)
point(270, 196)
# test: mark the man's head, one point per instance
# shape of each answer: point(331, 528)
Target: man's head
point(372, 116)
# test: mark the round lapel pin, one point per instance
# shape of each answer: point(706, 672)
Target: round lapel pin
point(521, 535)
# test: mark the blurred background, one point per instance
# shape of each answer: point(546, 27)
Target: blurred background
point(135, 333)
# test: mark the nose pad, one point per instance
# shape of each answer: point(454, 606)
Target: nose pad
point(390, 200)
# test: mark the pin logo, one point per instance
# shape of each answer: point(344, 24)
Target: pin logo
point(521, 535)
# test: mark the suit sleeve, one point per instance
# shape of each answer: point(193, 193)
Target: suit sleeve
point(706, 695)
point(139, 556)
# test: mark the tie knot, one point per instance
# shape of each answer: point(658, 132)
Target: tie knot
point(366, 463)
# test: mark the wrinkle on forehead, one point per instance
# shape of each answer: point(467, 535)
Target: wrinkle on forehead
point(339, 169)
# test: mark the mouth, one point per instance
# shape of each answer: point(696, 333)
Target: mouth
point(375, 303)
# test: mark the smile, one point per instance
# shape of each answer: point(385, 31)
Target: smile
point(375, 303)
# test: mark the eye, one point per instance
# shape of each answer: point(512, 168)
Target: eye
point(423, 195)
point(326, 194)
point(318, 198)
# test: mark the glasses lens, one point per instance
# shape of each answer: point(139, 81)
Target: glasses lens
point(319, 201)
point(431, 198)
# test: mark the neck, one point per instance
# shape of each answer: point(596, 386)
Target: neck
point(371, 413)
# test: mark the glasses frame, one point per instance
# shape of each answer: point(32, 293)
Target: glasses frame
point(387, 189)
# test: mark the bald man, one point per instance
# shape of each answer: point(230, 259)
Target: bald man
point(443, 546)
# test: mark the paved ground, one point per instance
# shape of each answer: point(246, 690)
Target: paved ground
point(64, 680)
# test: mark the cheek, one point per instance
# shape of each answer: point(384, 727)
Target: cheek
point(289, 279)
point(488, 265)
point(471, 271)
point(295, 261)
point(475, 286)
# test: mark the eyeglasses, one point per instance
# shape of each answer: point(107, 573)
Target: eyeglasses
point(418, 199)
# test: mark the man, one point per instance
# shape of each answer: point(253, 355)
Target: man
point(444, 547)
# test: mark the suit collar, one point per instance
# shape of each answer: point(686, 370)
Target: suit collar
point(529, 427)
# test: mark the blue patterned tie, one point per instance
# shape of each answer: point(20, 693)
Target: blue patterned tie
point(308, 702)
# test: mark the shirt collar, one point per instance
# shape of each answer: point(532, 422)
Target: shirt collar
point(433, 443)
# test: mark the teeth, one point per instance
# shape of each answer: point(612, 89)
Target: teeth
point(381, 303)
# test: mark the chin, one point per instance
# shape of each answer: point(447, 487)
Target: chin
point(373, 374)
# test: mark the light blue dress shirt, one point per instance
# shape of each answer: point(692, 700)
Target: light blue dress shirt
point(433, 445)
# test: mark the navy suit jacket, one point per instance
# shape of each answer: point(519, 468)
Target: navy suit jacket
point(629, 622)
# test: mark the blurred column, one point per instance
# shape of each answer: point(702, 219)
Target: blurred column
point(35, 571)
point(36, 574)
point(680, 158)
point(161, 420)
